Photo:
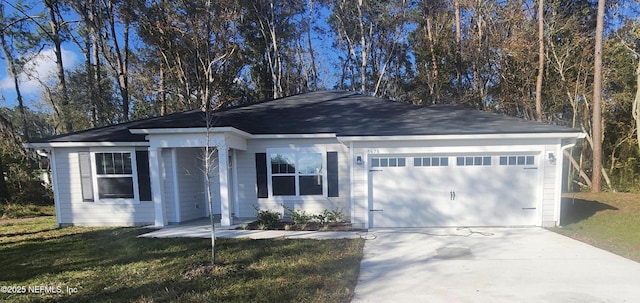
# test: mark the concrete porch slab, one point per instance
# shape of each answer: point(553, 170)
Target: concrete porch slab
point(202, 229)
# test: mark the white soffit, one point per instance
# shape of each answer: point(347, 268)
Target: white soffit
point(193, 130)
point(578, 135)
point(85, 144)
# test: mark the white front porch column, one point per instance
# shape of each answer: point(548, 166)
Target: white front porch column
point(156, 186)
point(223, 173)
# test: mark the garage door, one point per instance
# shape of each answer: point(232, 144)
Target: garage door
point(453, 190)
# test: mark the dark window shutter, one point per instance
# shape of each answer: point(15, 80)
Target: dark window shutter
point(86, 177)
point(332, 174)
point(261, 175)
point(144, 179)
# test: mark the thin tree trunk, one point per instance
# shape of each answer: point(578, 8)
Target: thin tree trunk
point(97, 78)
point(93, 72)
point(54, 24)
point(276, 52)
point(90, 85)
point(456, 4)
point(314, 70)
point(363, 49)
point(163, 94)
point(596, 127)
point(271, 44)
point(13, 73)
point(434, 60)
point(121, 57)
point(636, 104)
point(540, 60)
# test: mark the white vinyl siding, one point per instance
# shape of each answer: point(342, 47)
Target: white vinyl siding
point(549, 188)
point(185, 181)
point(73, 211)
point(168, 175)
point(246, 170)
point(190, 173)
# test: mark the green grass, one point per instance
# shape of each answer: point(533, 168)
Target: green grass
point(14, 211)
point(610, 221)
point(113, 265)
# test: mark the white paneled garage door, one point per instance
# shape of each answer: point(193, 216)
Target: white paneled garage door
point(454, 190)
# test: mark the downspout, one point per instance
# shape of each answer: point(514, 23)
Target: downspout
point(351, 183)
point(559, 176)
point(50, 154)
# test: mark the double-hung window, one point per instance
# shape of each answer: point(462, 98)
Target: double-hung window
point(114, 175)
point(297, 173)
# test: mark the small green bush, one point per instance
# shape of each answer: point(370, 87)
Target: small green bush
point(333, 216)
point(302, 217)
point(299, 216)
point(269, 218)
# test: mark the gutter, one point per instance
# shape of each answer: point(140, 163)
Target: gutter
point(562, 135)
point(559, 167)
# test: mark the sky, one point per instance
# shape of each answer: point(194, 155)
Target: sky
point(42, 65)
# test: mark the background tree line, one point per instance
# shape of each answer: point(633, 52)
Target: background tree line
point(524, 58)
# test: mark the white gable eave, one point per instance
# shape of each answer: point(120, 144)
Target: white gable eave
point(84, 144)
point(294, 136)
point(191, 130)
point(233, 130)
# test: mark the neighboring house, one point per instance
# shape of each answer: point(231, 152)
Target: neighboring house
point(383, 163)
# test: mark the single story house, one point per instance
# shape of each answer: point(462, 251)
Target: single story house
point(382, 163)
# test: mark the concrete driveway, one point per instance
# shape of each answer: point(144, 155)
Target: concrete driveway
point(490, 265)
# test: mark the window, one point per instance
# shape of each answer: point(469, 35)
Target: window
point(431, 161)
point(517, 160)
point(121, 176)
point(297, 173)
point(473, 161)
point(285, 174)
point(388, 162)
point(114, 175)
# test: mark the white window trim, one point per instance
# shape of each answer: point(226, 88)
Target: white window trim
point(388, 158)
point(535, 161)
point(296, 150)
point(134, 174)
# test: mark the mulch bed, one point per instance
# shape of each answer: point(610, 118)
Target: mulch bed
point(310, 226)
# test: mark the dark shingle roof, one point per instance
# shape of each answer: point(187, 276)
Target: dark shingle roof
point(342, 113)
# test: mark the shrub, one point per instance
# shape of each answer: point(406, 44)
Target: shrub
point(329, 216)
point(298, 216)
point(302, 217)
point(332, 216)
point(269, 218)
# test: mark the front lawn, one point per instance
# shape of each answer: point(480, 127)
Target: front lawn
point(113, 265)
point(14, 211)
point(610, 221)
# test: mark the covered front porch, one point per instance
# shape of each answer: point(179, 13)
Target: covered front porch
point(179, 174)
